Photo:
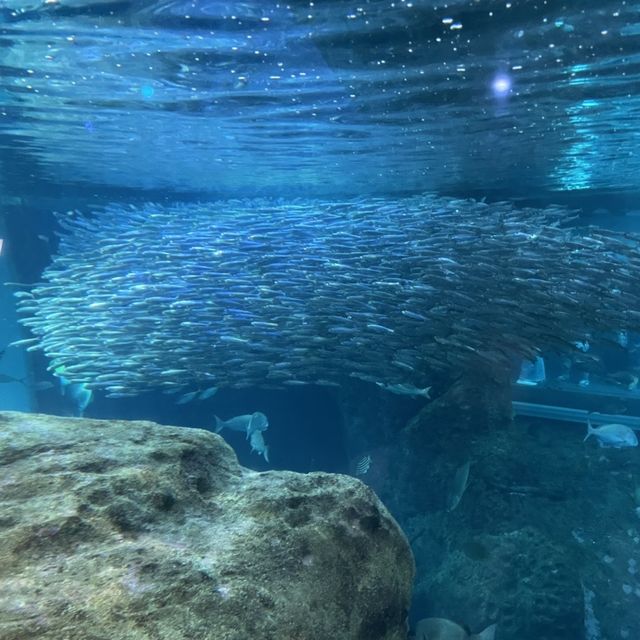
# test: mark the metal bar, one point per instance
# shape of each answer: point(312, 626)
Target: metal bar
point(568, 414)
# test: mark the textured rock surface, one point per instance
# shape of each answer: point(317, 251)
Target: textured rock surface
point(133, 530)
point(545, 540)
point(544, 516)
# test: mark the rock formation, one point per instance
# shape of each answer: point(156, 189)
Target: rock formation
point(133, 530)
point(544, 537)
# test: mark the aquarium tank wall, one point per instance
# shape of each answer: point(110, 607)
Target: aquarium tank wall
point(320, 320)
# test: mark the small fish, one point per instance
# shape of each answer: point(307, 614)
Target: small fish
point(459, 486)
point(64, 382)
point(173, 372)
point(413, 315)
point(157, 296)
point(443, 629)
point(248, 423)
point(6, 378)
point(187, 397)
point(207, 393)
point(258, 444)
point(233, 339)
point(406, 390)
point(80, 395)
point(43, 385)
point(612, 435)
point(379, 327)
point(20, 343)
point(403, 365)
point(363, 465)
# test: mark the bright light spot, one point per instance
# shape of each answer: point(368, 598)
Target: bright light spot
point(501, 85)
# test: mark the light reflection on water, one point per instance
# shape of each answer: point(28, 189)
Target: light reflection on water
point(261, 98)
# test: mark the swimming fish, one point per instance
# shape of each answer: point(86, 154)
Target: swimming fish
point(58, 372)
point(248, 423)
point(268, 293)
point(201, 394)
point(207, 393)
point(612, 435)
point(80, 395)
point(459, 486)
point(4, 377)
point(363, 465)
point(258, 445)
point(443, 629)
point(187, 397)
point(43, 385)
point(406, 390)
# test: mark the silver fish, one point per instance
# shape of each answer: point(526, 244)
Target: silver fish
point(187, 397)
point(407, 390)
point(443, 629)
point(80, 395)
point(459, 486)
point(247, 423)
point(207, 393)
point(258, 444)
point(393, 290)
point(612, 435)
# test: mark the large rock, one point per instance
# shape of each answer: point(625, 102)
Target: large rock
point(133, 530)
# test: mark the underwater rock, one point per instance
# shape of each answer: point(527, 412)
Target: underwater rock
point(114, 529)
point(544, 521)
point(522, 579)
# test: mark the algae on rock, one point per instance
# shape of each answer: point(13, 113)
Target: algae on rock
point(135, 531)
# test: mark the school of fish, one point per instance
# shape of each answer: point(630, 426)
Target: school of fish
point(189, 298)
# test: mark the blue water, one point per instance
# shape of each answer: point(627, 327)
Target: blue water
point(321, 98)
point(169, 100)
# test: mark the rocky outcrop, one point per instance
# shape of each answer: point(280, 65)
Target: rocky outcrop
point(543, 538)
point(133, 530)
